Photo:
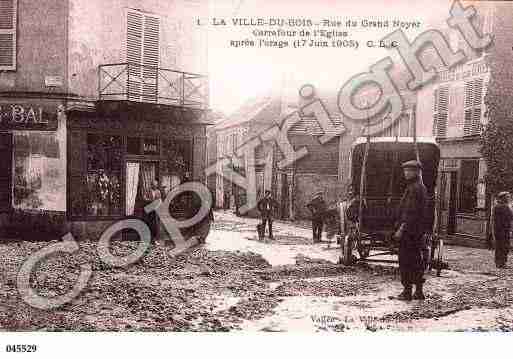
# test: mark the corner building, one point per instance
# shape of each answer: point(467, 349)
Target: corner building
point(97, 100)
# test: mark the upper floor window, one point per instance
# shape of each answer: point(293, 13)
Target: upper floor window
point(142, 55)
point(8, 17)
point(440, 112)
point(473, 107)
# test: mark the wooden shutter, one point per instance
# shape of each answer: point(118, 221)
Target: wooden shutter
point(473, 107)
point(143, 39)
point(134, 54)
point(150, 57)
point(441, 111)
point(8, 18)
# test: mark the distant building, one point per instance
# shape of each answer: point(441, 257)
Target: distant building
point(252, 119)
point(292, 186)
point(318, 170)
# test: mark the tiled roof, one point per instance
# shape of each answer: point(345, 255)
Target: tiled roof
point(308, 125)
point(266, 109)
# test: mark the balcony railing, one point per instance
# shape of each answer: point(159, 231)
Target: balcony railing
point(146, 84)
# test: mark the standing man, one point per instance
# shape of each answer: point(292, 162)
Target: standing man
point(502, 218)
point(317, 207)
point(411, 231)
point(266, 207)
point(154, 195)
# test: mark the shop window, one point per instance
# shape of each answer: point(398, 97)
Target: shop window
point(469, 175)
point(39, 174)
point(177, 162)
point(96, 175)
point(8, 17)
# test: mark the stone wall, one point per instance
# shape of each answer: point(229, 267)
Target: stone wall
point(41, 47)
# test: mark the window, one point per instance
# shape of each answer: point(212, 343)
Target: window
point(473, 107)
point(177, 158)
point(440, 112)
point(95, 169)
point(469, 174)
point(8, 18)
point(104, 174)
point(142, 52)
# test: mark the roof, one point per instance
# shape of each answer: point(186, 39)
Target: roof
point(264, 109)
point(309, 125)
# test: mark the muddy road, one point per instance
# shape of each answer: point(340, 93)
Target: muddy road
point(236, 283)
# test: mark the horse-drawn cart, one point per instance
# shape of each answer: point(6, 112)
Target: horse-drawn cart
point(369, 218)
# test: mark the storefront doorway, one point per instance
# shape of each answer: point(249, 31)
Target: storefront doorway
point(5, 171)
point(140, 175)
point(452, 188)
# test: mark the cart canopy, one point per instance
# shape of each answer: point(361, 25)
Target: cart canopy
point(384, 182)
point(384, 175)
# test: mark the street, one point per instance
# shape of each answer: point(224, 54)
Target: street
point(237, 283)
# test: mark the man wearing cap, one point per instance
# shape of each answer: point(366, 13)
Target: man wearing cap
point(317, 207)
point(502, 218)
point(266, 206)
point(411, 231)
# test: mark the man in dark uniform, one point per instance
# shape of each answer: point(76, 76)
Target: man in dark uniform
point(411, 231)
point(502, 218)
point(266, 207)
point(317, 207)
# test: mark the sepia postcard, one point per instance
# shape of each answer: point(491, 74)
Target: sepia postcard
point(331, 167)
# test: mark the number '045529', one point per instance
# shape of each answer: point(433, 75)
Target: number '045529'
point(20, 348)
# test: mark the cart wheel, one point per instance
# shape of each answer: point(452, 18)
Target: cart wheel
point(428, 251)
point(432, 247)
point(347, 250)
point(440, 257)
point(363, 251)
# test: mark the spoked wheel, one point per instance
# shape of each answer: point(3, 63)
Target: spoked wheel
point(437, 256)
point(363, 251)
point(428, 252)
point(440, 257)
point(347, 250)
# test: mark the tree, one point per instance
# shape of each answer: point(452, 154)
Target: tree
point(497, 138)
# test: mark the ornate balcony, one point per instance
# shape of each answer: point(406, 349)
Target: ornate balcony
point(145, 84)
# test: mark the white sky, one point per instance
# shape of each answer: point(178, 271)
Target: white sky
point(237, 74)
